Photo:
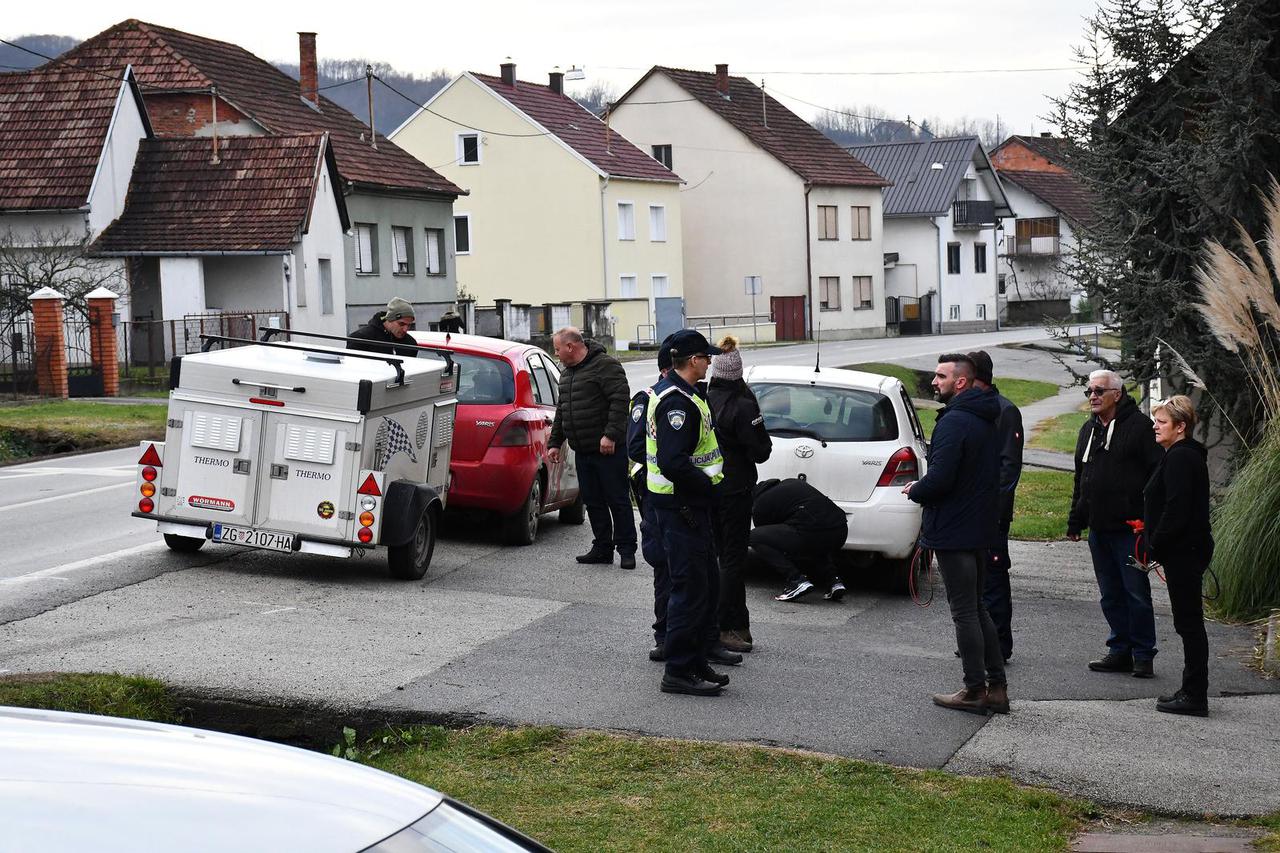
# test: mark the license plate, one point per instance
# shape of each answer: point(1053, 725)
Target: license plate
point(272, 540)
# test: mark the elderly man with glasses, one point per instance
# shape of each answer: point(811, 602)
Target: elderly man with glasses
point(1116, 453)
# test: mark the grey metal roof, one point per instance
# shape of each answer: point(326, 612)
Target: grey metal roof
point(918, 188)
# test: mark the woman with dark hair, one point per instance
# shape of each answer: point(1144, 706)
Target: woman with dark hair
point(1176, 530)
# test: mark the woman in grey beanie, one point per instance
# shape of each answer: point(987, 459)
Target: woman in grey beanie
point(744, 443)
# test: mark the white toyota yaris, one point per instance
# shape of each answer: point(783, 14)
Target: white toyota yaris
point(71, 783)
point(856, 438)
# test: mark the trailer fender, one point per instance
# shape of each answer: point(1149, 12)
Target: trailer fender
point(404, 505)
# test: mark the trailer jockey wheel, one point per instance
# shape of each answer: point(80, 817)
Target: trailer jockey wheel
point(409, 562)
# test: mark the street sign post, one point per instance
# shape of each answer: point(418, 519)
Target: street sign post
point(753, 286)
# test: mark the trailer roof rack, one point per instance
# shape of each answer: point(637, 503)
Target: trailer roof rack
point(396, 362)
point(269, 332)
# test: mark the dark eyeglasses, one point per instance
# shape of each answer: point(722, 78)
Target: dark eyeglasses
point(1097, 392)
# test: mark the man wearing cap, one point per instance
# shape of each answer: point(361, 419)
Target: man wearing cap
point(997, 593)
point(387, 332)
point(684, 466)
point(650, 537)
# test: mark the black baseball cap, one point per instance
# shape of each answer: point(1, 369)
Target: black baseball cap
point(664, 353)
point(688, 342)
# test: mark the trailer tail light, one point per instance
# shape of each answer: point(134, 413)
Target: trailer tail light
point(512, 432)
point(365, 535)
point(369, 487)
point(146, 505)
point(151, 457)
point(903, 468)
point(366, 519)
point(149, 474)
point(148, 490)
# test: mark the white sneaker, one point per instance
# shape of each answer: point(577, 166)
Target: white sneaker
point(837, 591)
point(802, 588)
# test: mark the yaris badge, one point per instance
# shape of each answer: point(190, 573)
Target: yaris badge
point(804, 451)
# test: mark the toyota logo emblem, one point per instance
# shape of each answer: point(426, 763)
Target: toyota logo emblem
point(804, 451)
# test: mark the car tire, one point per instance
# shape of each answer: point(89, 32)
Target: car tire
point(410, 561)
point(898, 574)
point(574, 513)
point(184, 544)
point(521, 528)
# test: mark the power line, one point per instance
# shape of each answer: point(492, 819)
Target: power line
point(423, 106)
point(876, 73)
point(62, 62)
point(854, 115)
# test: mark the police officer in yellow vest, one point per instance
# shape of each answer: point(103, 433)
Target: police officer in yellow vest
point(683, 466)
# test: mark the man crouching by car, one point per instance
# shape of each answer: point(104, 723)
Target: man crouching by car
point(960, 496)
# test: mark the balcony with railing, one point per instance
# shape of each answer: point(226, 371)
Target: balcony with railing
point(973, 214)
point(1032, 247)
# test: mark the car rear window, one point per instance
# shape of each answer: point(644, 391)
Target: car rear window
point(829, 414)
point(484, 381)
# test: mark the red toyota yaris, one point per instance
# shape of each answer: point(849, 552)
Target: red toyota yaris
point(507, 395)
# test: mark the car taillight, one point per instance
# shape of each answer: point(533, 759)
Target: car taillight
point(512, 432)
point(903, 468)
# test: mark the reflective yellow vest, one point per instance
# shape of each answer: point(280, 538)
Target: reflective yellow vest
point(706, 454)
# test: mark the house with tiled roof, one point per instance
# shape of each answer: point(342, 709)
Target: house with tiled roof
point(941, 220)
point(560, 207)
point(236, 223)
point(1037, 247)
point(68, 140)
point(400, 210)
point(778, 220)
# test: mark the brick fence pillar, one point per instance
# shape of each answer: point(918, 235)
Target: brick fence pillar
point(51, 343)
point(103, 346)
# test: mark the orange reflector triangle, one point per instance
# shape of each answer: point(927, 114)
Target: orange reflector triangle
point(151, 457)
point(370, 487)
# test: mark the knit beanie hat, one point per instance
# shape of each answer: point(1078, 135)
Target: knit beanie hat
point(728, 365)
point(397, 309)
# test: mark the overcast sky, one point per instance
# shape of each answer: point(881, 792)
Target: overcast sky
point(783, 43)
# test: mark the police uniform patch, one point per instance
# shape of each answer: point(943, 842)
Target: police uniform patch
point(676, 418)
point(638, 412)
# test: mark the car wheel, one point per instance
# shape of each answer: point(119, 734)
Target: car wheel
point(574, 513)
point(183, 544)
point(521, 528)
point(908, 574)
point(409, 562)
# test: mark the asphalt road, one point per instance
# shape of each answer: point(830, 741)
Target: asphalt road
point(527, 635)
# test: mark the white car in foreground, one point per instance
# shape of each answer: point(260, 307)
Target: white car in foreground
point(71, 783)
point(856, 438)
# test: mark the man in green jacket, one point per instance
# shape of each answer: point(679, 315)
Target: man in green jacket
point(591, 416)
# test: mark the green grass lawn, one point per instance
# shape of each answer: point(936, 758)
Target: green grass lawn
point(1023, 392)
point(1040, 509)
point(1058, 433)
point(62, 426)
point(590, 791)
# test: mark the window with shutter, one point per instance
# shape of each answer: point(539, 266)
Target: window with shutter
point(657, 223)
point(828, 228)
point(861, 223)
point(862, 292)
point(658, 283)
point(401, 249)
point(366, 249)
point(829, 292)
point(627, 286)
point(435, 251)
point(626, 220)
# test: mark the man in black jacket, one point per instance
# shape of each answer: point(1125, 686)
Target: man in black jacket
point(591, 416)
point(798, 532)
point(1116, 452)
point(960, 496)
point(996, 593)
point(745, 443)
point(388, 331)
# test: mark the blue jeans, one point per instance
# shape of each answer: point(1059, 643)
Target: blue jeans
point(1125, 595)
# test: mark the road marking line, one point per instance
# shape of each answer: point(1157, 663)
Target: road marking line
point(120, 471)
point(53, 571)
point(64, 497)
point(277, 610)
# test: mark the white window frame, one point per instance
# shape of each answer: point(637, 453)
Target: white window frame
point(626, 221)
point(860, 304)
point(959, 251)
point(824, 303)
point(622, 286)
point(980, 254)
point(433, 256)
point(401, 241)
point(471, 236)
point(367, 265)
point(655, 152)
point(461, 149)
point(653, 285)
point(657, 223)
point(326, 287)
point(982, 310)
point(953, 312)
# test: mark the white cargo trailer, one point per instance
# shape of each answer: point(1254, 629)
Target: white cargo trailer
point(303, 449)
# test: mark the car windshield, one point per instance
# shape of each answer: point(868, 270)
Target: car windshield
point(829, 414)
point(482, 380)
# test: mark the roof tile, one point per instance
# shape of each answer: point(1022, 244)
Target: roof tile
point(168, 60)
point(790, 139)
point(1063, 192)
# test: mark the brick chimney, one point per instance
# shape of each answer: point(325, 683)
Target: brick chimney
point(509, 72)
point(557, 82)
point(722, 79)
point(307, 67)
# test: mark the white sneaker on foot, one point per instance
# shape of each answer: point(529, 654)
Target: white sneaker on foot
point(837, 591)
point(802, 588)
